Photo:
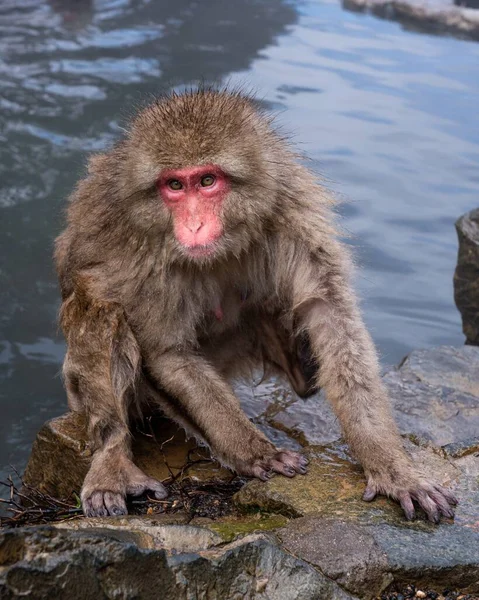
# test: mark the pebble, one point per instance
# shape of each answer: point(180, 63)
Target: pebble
point(420, 594)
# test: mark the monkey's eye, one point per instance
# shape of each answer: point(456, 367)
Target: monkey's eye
point(207, 180)
point(174, 184)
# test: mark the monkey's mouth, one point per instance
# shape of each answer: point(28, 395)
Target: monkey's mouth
point(200, 251)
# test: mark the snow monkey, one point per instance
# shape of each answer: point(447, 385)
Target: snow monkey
point(198, 244)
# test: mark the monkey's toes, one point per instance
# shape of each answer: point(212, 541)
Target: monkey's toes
point(284, 462)
point(104, 504)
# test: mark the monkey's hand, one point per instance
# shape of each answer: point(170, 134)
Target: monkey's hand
point(407, 486)
point(270, 460)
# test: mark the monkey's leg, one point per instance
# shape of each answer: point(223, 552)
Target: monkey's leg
point(350, 376)
point(101, 370)
point(206, 400)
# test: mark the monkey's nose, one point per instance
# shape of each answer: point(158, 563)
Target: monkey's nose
point(195, 227)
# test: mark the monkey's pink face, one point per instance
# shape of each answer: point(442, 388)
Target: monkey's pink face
point(194, 195)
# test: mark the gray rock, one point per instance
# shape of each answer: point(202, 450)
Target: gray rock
point(343, 550)
point(149, 532)
point(466, 277)
point(366, 558)
point(364, 546)
point(338, 541)
point(45, 563)
point(435, 394)
point(436, 557)
point(60, 457)
point(441, 16)
point(310, 421)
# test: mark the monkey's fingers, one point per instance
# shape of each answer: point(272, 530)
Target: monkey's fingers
point(282, 468)
point(370, 493)
point(102, 503)
point(448, 495)
point(115, 504)
point(147, 484)
point(407, 505)
point(284, 462)
point(261, 471)
point(293, 460)
point(438, 496)
point(428, 505)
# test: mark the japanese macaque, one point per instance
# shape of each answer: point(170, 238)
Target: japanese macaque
point(197, 245)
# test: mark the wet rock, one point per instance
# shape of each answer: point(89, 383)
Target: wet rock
point(334, 486)
point(365, 546)
point(439, 16)
point(466, 277)
point(170, 533)
point(46, 563)
point(435, 394)
point(60, 456)
point(310, 421)
point(342, 547)
point(343, 550)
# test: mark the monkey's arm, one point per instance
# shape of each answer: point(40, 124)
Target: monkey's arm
point(326, 307)
point(202, 397)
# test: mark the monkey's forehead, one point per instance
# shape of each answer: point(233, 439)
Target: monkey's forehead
point(198, 123)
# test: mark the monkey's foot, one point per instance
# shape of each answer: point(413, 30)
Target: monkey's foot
point(434, 499)
point(106, 487)
point(285, 462)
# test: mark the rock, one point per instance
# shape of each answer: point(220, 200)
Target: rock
point(342, 547)
point(169, 533)
point(60, 456)
point(344, 551)
point(466, 277)
point(436, 558)
point(310, 421)
point(334, 486)
point(364, 547)
point(435, 394)
point(46, 562)
point(442, 16)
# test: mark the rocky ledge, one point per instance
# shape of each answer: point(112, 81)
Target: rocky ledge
point(466, 277)
point(456, 17)
point(308, 538)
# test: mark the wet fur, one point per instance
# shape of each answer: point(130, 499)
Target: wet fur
point(139, 314)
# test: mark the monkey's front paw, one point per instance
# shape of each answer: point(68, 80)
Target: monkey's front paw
point(434, 499)
point(104, 493)
point(285, 462)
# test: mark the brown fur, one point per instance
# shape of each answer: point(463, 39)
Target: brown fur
point(139, 314)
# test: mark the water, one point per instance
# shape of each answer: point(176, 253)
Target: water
point(387, 116)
